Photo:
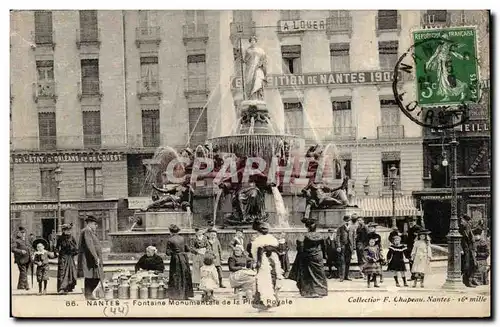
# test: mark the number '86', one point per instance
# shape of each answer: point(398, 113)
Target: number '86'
point(70, 303)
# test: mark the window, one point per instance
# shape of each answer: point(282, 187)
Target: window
point(242, 16)
point(195, 17)
point(48, 182)
point(45, 76)
point(390, 113)
point(90, 76)
point(294, 117)
point(387, 19)
point(390, 159)
point(340, 20)
point(437, 16)
point(197, 72)
point(291, 59)
point(43, 27)
point(388, 54)
point(339, 57)
point(147, 21)
point(91, 129)
point(343, 168)
point(198, 126)
point(149, 74)
point(88, 26)
point(47, 130)
point(290, 14)
point(476, 157)
point(93, 181)
point(151, 128)
point(342, 118)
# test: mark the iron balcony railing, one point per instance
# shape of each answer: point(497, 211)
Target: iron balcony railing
point(387, 183)
point(47, 142)
point(89, 88)
point(339, 25)
point(148, 34)
point(324, 134)
point(92, 141)
point(44, 38)
point(88, 36)
point(195, 31)
point(148, 87)
point(44, 90)
point(196, 85)
point(388, 23)
point(390, 132)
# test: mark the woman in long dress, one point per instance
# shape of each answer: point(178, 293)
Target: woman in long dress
point(308, 269)
point(267, 264)
point(180, 284)
point(199, 244)
point(255, 74)
point(66, 249)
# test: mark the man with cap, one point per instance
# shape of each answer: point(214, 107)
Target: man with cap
point(467, 253)
point(361, 239)
point(331, 254)
point(90, 257)
point(346, 241)
point(22, 257)
point(409, 238)
point(215, 249)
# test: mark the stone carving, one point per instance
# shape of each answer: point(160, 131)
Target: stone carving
point(255, 75)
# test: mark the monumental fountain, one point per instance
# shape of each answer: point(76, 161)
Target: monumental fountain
point(232, 181)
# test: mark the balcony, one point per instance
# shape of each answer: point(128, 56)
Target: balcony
point(196, 86)
point(390, 132)
point(195, 32)
point(43, 39)
point(388, 24)
point(88, 37)
point(339, 25)
point(387, 184)
point(150, 34)
point(148, 88)
point(242, 30)
point(324, 134)
point(44, 90)
point(89, 88)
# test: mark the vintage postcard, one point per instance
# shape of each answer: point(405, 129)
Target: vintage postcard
point(250, 163)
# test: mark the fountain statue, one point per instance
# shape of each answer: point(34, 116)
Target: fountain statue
point(255, 60)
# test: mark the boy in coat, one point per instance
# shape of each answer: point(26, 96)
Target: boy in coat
point(90, 257)
point(215, 249)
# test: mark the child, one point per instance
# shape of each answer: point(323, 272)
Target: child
point(421, 256)
point(41, 260)
point(372, 233)
point(283, 253)
point(482, 250)
point(237, 239)
point(209, 279)
point(373, 260)
point(395, 259)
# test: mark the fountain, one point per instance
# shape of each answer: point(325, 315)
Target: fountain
point(240, 190)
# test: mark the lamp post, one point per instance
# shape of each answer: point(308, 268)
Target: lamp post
point(393, 171)
point(454, 273)
point(239, 28)
point(366, 186)
point(58, 173)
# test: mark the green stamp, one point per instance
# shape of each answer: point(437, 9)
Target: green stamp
point(446, 66)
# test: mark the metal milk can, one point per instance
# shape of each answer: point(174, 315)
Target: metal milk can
point(134, 289)
point(124, 288)
point(108, 293)
point(153, 287)
point(143, 291)
point(114, 285)
point(161, 290)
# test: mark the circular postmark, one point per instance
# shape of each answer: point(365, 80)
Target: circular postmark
point(446, 73)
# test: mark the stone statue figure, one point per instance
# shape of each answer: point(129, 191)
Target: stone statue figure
point(173, 196)
point(320, 196)
point(255, 74)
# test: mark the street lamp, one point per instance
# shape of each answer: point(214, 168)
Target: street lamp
point(239, 29)
point(58, 173)
point(366, 186)
point(393, 171)
point(454, 273)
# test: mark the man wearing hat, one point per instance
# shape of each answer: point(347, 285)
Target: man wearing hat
point(215, 249)
point(361, 239)
point(346, 242)
point(22, 257)
point(409, 238)
point(331, 254)
point(468, 256)
point(90, 257)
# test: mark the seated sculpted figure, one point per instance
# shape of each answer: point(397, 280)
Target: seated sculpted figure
point(174, 196)
point(319, 195)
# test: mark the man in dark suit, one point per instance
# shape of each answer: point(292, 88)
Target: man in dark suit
point(23, 251)
point(90, 257)
point(346, 241)
point(361, 239)
point(409, 238)
point(331, 253)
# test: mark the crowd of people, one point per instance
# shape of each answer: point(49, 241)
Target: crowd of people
point(257, 269)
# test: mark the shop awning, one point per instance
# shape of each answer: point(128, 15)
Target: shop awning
point(382, 206)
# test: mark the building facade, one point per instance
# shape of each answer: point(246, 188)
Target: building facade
point(97, 92)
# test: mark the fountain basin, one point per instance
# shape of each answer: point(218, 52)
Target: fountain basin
point(161, 220)
point(330, 218)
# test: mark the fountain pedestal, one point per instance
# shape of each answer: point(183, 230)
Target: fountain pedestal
point(161, 220)
point(332, 218)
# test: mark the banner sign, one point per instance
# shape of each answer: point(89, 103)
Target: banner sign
point(43, 158)
point(64, 206)
point(322, 79)
point(290, 26)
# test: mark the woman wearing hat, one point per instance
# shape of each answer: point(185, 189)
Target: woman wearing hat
point(267, 264)
point(308, 269)
point(421, 256)
point(180, 284)
point(66, 249)
point(199, 245)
